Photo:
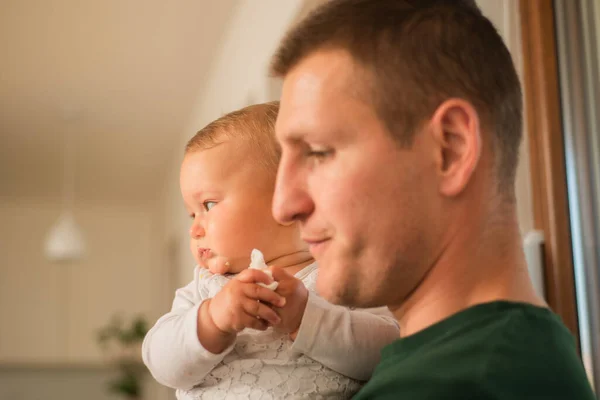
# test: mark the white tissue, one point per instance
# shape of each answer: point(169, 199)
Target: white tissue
point(257, 261)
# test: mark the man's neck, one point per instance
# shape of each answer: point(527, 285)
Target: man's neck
point(478, 265)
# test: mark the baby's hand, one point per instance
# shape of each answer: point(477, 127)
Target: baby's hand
point(242, 303)
point(296, 296)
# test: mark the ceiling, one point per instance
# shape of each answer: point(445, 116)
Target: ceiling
point(120, 77)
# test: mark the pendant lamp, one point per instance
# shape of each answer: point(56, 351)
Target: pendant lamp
point(65, 241)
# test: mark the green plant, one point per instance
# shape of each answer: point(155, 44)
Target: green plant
point(121, 342)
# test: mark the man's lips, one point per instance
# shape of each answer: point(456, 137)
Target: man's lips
point(316, 245)
point(311, 240)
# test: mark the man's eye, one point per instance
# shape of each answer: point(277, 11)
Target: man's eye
point(209, 204)
point(319, 155)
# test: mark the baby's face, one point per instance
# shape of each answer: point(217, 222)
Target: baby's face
point(228, 197)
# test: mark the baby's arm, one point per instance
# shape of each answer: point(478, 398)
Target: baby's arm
point(188, 342)
point(347, 341)
point(171, 349)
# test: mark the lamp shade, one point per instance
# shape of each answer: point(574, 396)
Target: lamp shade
point(65, 241)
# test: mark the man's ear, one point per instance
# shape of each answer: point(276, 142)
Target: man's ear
point(456, 132)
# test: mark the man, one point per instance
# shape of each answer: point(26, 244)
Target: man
point(400, 125)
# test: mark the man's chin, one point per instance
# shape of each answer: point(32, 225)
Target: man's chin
point(336, 298)
point(336, 290)
point(344, 292)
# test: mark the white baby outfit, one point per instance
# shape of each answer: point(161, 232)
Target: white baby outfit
point(335, 350)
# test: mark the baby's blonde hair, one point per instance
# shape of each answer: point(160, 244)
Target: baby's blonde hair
point(254, 125)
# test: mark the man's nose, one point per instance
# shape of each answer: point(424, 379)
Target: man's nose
point(196, 230)
point(291, 201)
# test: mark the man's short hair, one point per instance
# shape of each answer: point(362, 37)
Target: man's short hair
point(415, 54)
point(254, 125)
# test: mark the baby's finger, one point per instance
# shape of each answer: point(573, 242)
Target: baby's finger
point(280, 274)
point(254, 276)
point(255, 292)
point(255, 323)
point(259, 310)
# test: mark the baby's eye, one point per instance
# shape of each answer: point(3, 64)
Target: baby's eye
point(209, 204)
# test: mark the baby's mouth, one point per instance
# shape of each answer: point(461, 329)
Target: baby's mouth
point(204, 253)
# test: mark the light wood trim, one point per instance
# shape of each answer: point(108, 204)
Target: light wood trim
point(547, 157)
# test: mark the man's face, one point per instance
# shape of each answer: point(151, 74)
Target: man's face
point(365, 205)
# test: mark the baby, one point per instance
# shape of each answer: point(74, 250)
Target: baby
point(229, 335)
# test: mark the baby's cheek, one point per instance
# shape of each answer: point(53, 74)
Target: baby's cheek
point(229, 236)
point(194, 250)
point(218, 266)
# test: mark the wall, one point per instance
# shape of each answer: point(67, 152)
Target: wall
point(54, 383)
point(66, 383)
point(504, 14)
point(50, 313)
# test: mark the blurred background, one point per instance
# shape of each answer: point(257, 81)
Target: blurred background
point(97, 99)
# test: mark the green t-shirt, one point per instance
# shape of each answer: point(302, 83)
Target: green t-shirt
point(499, 350)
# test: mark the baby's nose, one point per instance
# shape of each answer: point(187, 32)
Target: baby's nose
point(196, 231)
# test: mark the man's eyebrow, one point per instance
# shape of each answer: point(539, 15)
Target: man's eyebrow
point(293, 138)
